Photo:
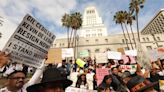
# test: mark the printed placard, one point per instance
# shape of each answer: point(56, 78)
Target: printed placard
point(30, 42)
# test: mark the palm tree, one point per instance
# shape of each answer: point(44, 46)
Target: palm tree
point(125, 14)
point(66, 20)
point(130, 19)
point(120, 19)
point(134, 7)
point(76, 23)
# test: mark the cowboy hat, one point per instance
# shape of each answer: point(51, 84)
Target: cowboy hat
point(139, 84)
point(52, 77)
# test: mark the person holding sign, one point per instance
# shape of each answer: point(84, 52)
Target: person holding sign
point(52, 81)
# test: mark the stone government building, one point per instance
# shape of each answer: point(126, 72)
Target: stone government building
point(93, 35)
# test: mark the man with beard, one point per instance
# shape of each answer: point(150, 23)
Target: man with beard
point(15, 82)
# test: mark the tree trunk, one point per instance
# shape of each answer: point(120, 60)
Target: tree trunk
point(70, 40)
point(133, 36)
point(137, 27)
point(124, 35)
point(128, 35)
point(68, 36)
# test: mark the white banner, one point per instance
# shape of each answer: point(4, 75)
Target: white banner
point(114, 55)
point(131, 52)
point(30, 42)
point(67, 52)
point(101, 58)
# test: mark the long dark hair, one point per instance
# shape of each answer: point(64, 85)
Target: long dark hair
point(79, 81)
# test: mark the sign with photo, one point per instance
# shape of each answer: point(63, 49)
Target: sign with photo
point(30, 43)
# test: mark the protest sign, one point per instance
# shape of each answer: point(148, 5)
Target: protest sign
point(101, 58)
point(153, 54)
point(161, 53)
point(54, 56)
point(114, 55)
point(130, 68)
point(73, 89)
point(30, 42)
point(131, 52)
point(100, 73)
point(84, 53)
point(67, 52)
point(121, 50)
point(127, 58)
point(80, 62)
point(161, 85)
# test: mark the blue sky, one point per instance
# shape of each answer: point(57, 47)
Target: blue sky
point(50, 12)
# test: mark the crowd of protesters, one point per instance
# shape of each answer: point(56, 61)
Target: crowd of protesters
point(57, 77)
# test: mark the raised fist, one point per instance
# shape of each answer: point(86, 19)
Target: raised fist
point(4, 58)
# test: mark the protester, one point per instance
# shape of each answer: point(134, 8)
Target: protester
point(117, 83)
point(52, 81)
point(82, 82)
point(15, 82)
point(106, 83)
point(64, 69)
point(140, 84)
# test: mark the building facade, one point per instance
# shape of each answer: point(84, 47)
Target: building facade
point(156, 25)
point(96, 44)
point(92, 25)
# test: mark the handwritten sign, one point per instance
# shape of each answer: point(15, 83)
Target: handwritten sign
point(73, 89)
point(101, 58)
point(100, 73)
point(84, 53)
point(54, 56)
point(130, 68)
point(30, 42)
point(114, 55)
point(67, 52)
point(131, 52)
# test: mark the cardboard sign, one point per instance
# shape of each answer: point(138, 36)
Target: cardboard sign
point(100, 73)
point(130, 68)
point(131, 52)
point(80, 62)
point(30, 42)
point(54, 56)
point(121, 50)
point(114, 55)
point(84, 53)
point(67, 52)
point(101, 58)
